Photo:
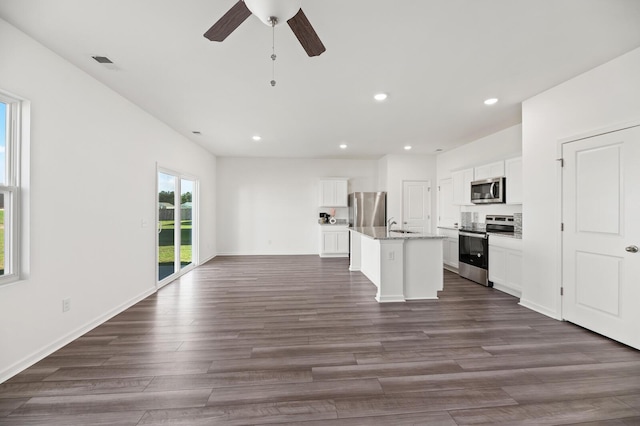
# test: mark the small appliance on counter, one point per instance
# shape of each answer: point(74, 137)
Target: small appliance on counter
point(324, 218)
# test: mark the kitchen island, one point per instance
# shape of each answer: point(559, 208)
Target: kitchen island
point(404, 266)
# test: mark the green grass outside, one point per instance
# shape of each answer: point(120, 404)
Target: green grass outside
point(166, 240)
point(165, 254)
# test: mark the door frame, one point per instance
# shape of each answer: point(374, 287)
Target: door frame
point(195, 225)
point(560, 236)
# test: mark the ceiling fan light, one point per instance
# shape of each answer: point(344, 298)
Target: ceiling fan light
point(266, 9)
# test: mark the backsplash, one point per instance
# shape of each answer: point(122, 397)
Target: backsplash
point(517, 220)
point(467, 219)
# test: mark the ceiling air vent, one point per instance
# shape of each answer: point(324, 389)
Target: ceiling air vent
point(102, 59)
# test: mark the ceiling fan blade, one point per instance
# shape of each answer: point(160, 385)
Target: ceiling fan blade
point(307, 36)
point(229, 22)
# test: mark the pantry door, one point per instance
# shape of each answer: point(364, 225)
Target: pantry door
point(416, 205)
point(601, 211)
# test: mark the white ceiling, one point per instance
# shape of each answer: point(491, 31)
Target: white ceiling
point(437, 59)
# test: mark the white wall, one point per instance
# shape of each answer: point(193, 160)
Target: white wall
point(270, 206)
point(92, 177)
point(395, 169)
point(605, 96)
point(501, 145)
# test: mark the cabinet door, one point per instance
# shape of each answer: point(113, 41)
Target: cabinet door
point(462, 186)
point(453, 252)
point(446, 257)
point(342, 238)
point(448, 212)
point(497, 264)
point(341, 193)
point(329, 242)
point(327, 193)
point(514, 269)
point(333, 193)
point(513, 173)
point(450, 252)
point(491, 170)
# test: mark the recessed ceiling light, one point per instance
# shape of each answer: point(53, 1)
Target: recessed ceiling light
point(380, 97)
point(491, 101)
point(343, 146)
point(196, 132)
point(256, 138)
point(439, 150)
point(408, 147)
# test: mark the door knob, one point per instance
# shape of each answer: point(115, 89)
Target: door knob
point(632, 249)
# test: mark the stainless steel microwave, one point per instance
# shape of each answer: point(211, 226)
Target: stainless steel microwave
point(488, 191)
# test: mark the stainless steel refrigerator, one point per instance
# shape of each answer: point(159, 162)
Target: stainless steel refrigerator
point(367, 209)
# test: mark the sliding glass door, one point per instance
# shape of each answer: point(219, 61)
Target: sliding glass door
point(176, 225)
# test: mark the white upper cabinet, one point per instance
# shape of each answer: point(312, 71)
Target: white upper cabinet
point(462, 186)
point(448, 211)
point(489, 171)
point(513, 173)
point(333, 193)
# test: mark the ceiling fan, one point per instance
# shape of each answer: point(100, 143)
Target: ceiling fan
point(272, 13)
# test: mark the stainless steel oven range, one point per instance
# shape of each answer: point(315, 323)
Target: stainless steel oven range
point(473, 247)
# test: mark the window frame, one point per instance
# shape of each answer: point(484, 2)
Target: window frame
point(11, 188)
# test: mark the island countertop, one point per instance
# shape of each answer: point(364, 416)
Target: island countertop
point(380, 233)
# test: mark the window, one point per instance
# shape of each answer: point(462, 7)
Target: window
point(10, 110)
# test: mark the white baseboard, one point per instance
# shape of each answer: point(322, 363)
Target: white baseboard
point(509, 290)
point(266, 254)
point(540, 309)
point(407, 299)
point(207, 259)
point(39, 355)
point(390, 299)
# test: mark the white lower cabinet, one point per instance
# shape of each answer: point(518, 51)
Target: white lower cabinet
point(505, 264)
point(334, 241)
point(449, 249)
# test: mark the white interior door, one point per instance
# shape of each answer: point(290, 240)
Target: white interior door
point(601, 211)
point(416, 209)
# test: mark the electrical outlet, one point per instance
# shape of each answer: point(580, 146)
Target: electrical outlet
point(392, 255)
point(66, 304)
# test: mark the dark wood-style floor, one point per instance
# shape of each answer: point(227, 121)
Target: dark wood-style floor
point(292, 340)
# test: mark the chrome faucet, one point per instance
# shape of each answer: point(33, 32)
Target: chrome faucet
point(390, 223)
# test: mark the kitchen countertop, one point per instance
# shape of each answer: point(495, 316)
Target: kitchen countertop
point(380, 233)
point(453, 228)
point(339, 222)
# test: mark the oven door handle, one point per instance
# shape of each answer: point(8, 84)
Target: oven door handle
point(468, 234)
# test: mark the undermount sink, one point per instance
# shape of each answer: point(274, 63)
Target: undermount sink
point(402, 231)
